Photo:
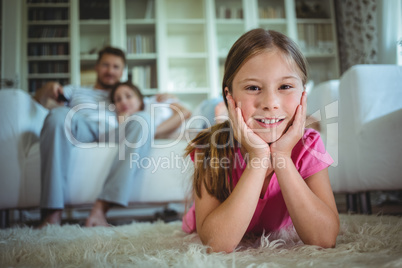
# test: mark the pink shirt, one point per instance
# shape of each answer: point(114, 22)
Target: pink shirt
point(308, 155)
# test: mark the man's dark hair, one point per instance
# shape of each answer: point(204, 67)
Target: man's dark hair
point(113, 51)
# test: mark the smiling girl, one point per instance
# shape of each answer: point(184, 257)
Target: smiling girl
point(262, 170)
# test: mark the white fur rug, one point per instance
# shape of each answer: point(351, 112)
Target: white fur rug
point(364, 241)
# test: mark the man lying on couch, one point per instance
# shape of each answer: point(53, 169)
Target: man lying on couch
point(85, 118)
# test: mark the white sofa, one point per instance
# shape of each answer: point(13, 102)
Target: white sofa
point(361, 122)
point(21, 121)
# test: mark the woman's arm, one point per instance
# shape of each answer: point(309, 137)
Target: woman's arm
point(222, 225)
point(310, 203)
point(180, 113)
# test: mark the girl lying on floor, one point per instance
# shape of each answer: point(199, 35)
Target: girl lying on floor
point(261, 170)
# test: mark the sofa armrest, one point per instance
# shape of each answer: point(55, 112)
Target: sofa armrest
point(21, 120)
point(370, 123)
point(322, 105)
point(369, 92)
point(322, 95)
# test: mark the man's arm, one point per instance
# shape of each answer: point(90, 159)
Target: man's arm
point(49, 95)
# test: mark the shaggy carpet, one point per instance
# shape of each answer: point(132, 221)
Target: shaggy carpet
point(364, 241)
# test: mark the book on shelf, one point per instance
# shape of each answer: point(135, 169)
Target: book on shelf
point(38, 49)
point(143, 76)
point(226, 12)
point(302, 37)
point(44, 14)
point(315, 38)
point(311, 9)
point(48, 32)
point(149, 11)
point(88, 77)
point(271, 12)
point(140, 44)
point(47, 1)
point(94, 10)
point(48, 67)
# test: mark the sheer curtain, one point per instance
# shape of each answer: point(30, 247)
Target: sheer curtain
point(369, 32)
point(357, 32)
point(389, 23)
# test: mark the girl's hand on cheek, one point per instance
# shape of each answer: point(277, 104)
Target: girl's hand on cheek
point(284, 145)
point(254, 145)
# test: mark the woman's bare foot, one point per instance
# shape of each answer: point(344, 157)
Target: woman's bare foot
point(98, 214)
point(50, 217)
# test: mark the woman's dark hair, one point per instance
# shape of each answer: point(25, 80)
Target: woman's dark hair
point(134, 88)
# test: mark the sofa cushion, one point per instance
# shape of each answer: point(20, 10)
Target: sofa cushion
point(166, 177)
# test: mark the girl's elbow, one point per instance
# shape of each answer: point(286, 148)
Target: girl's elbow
point(329, 243)
point(221, 248)
point(218, 246)
point(325, 241)
point(328, 238)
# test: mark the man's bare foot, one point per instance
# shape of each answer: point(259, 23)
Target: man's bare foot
point(98, 214)
point(50, 217)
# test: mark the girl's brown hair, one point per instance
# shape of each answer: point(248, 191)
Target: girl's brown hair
point(134, 88)
point(215, 144)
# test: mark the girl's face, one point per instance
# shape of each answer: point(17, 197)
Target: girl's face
point(126, 101)
point(268, 90)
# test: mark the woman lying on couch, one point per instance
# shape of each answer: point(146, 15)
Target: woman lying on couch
point(128, 100)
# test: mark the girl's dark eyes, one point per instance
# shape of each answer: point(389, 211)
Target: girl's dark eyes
point(253, 88)
point(285, 87)
point(256, 88)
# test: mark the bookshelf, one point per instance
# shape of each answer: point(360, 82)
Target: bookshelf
point(316, 36)
point(272, 15)
point(47, 42)
point(141, 44)
point(314, 31)
point(174, 46)
point(230, 24)
point(184, 54)
point(94, 32)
